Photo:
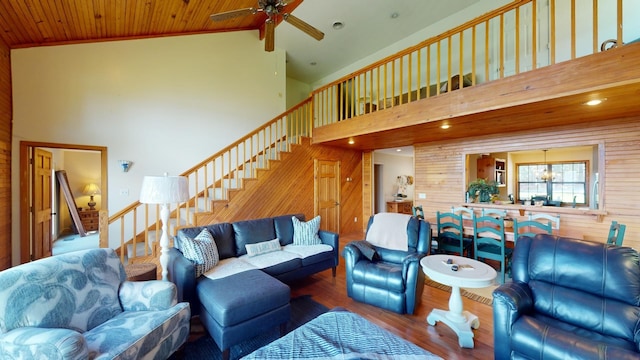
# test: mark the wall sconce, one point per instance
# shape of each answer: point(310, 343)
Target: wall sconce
point(125, 164)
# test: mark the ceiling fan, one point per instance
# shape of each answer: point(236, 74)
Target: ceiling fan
point(273, 9)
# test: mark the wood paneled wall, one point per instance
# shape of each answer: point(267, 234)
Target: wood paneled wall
point(288, 187)
point(5, 156)
point(440, 171)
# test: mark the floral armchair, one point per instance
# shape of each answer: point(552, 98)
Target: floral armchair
point(79, 306)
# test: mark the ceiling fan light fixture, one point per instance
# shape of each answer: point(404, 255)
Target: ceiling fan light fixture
point(274, 10)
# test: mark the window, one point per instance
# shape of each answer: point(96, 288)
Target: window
point(567, 185)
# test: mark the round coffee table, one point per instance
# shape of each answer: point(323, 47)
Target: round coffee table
point(470, 274)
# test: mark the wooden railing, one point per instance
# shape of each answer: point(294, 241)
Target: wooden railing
point(137, 228)
point(518, 37)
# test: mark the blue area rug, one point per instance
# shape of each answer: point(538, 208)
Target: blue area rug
point(303, 309)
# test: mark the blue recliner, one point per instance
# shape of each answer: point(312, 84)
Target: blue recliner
point(386, 277)
point(569, 299)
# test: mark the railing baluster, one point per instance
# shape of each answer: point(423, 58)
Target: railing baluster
point(552, 25)
point(573, 29)
point(486, 51)
point(449, 43)
point(501, 36)
point(428, 62)
point(534, 34)
point(473, 55)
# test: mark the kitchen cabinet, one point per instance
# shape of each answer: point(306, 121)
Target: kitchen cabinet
point(492, 169)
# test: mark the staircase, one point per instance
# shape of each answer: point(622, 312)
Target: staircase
point(214, 185)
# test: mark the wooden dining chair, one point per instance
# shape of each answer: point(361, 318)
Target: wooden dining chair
point(489, 242)
point(418, 212)
point(554, 219)
point(616, 233)
point(530, 228)
point(467, 214)
point(451, 234)
point(496, 213)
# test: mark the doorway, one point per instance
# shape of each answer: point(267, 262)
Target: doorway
point(378, 192)
point(36, 226)
point(327, 193)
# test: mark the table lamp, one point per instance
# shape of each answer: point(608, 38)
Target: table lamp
point(164, 190)
point(91, 190)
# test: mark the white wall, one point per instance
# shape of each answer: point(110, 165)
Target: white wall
point(297, 91)
point(392, 167)
point(163, 103)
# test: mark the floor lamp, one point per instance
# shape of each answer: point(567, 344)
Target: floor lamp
point(164, 190)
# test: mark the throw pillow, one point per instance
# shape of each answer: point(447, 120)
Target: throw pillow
point(367, 250)
point(263, 247)
point(201, 251)
point(306, 233)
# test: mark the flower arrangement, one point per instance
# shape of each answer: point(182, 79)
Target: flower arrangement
point(483, 189)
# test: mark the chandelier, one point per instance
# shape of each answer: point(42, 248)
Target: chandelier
point(546, 174)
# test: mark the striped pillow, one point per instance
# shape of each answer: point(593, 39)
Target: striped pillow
point(306, 233)
point(201, 251)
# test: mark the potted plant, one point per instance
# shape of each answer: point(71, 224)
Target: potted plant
point(483, 190)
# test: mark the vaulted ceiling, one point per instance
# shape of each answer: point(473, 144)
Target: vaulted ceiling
point(369, 25)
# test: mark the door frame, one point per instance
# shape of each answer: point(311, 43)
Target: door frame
point(316, 190)
point(26, 149)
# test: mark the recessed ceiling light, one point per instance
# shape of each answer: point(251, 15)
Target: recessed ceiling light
point(394, 15)
point(594, 102)
point(313, 63)
point(351, 142)
point(398, 150)
point(445, 126)
point(337, 25)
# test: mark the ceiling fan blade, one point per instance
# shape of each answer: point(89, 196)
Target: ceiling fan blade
point(269, 40)
point(306, 28)
point(232, 14)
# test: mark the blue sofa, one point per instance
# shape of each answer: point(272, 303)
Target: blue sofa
point(78, 306)
point(244, 295)
point(569, 299)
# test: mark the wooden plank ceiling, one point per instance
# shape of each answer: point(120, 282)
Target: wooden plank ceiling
point(27, 23)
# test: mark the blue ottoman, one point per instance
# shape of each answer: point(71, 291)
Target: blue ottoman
point(251, 303)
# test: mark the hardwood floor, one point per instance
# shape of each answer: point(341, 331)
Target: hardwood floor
point(438, 339)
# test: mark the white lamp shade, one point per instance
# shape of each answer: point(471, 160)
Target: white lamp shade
point(164, 189)
point(91, 189)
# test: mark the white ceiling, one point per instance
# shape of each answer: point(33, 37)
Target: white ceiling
point(368, 27)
